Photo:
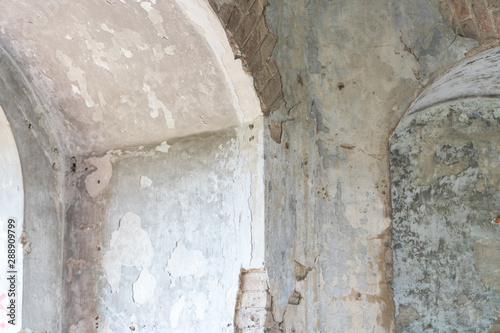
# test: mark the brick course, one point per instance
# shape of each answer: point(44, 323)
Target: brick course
point(477, 19)
point(253, 42)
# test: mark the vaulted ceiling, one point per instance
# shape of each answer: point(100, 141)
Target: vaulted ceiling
point(120, 73)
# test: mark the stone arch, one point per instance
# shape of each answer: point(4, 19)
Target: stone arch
point(39, 158)
point(93, 116)
point(445, 191)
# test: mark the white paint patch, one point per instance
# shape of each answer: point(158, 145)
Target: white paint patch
point(244, 97)
point(105, 27)
point(175, 313)
point(145, 182)
point(75, 74)
point(97, 181)
point(144, 287)
point(126, 53)
point(75, 89)
point(170, 50)
point(155, 105)
point(155, 18)
point(163, 147)
point(176, 265)
point(113, 268)
point(132, 242)
point(201, 304)
point(130, 246)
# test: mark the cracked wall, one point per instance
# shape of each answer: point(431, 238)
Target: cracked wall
point(160, 247)
point(350, 69)
point(445, 177)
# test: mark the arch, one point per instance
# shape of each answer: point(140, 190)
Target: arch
point(445, 194)
point(112, 135)
point(11, 217)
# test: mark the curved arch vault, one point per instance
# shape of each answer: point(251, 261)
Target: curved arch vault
point(445, 194)
point(11, 217)
point(141, 141)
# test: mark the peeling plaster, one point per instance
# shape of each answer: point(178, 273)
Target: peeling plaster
point(176, 311)
point(144, 287)
point(245, 99)
point(145, 182)
point(163, 147)
point(176, 265)
point(155, 18)
point(155, 104)
point(130, 246)
point(76, 74)
point(97, 181)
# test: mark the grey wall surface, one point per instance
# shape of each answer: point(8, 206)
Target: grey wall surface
point(445, 171)
point(40, 163)
point(160, 246)
point(350, 69)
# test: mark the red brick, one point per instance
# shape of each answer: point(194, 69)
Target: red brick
point(469, 29)
point(255, 63)
point(234, 19)
point(262, 55)
point(483, 19)
point(256, 39)
point(268, 46)
point(271, 91)
point(225, 12)
point(259, 6)
point(275, 105)
point(246, 27)
point(273, 67)
point(215, 5)
point(461, 9)
point(243, 5)
point(261, 78)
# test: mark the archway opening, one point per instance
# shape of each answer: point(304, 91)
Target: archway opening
point(445, 177)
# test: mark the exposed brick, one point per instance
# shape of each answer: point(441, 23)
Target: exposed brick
point(449, 15)
point(272, 66)
point(225, 12)
point(275, 106)
point(268, 45)
point(461, 9)
point(246, 27)
point(243, 5)
point(494, 4)
point(234, 19)
point(469, 29)
point(271, 92)
point(255, 63)
point(255, 40)
point(253, 281)
point(251, 319)
point(254, 299)
point(259, 5)
point(262, 78)
point(483, 20)
point(215, 5)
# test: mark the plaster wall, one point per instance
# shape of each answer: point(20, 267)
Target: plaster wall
point(445, 176)
point(350, 69)
point(41, 163)
point(159, 247)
